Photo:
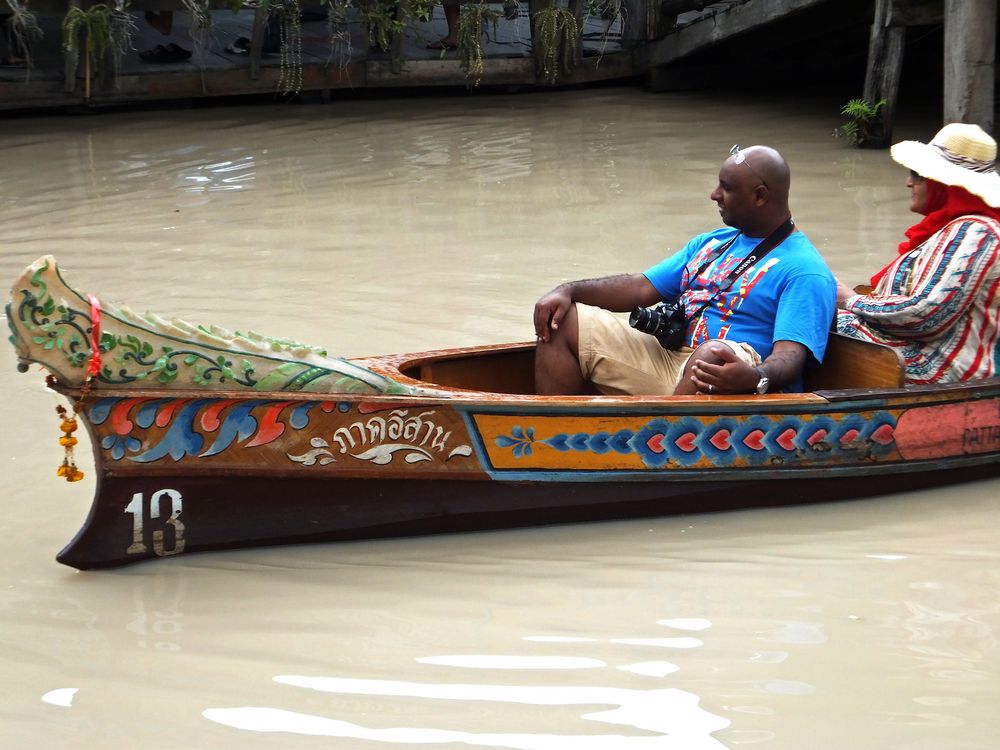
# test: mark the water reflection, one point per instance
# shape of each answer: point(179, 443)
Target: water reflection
point(238, 172)
point(492, 661)
point(157, 617)
point(650, 668)
point(60, 697)
point(673, 714)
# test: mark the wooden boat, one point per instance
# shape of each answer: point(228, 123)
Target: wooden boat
point(205, 439)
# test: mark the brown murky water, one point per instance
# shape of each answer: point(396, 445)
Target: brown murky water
point(382, 226)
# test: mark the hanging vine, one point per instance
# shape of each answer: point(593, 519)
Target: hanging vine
point(106, 33)
point(611, 13)
point(201, 22)
point(556, 37)
point(24, 31)
point(289, 15)
point(381, 21)
point(123, 29)
point(94, 25)
point(472, 23)
point(339, 32)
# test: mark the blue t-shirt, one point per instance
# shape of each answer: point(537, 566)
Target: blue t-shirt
point(790, 295)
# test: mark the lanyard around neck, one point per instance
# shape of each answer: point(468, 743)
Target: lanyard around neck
point(763, 247)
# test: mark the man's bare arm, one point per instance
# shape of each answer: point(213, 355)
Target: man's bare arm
point(621, 293)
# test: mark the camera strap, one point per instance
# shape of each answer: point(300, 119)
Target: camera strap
point(765, 246)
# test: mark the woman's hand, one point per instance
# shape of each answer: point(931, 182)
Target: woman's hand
point(843, 293)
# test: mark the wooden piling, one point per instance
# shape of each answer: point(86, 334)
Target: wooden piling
point(970, 61)
point(885, 66)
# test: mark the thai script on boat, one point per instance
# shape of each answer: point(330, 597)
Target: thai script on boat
point(379, 439)
point(415, 430)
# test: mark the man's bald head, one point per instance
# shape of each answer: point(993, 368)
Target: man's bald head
point(771, 168)
point(752, 193)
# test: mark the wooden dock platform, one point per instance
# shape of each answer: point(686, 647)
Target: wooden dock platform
point(618, 40)
point(349, 62)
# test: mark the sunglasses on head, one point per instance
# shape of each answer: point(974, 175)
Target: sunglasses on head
point(740, 158)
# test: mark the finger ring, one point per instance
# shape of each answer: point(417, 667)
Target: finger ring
point(711, 388)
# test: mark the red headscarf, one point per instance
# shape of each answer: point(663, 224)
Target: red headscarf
point(945, 203)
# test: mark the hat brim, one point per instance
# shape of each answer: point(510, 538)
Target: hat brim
point(927, 162)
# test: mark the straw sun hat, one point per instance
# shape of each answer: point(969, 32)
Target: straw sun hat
point(960, 155)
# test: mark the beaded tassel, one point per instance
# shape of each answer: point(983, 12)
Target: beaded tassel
point(68, 469)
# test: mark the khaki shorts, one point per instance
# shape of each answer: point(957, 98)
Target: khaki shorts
point(620, 360)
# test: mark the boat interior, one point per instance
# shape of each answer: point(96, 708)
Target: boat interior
point(848, 364)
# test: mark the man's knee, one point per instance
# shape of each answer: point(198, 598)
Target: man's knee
point(557, 364)
point(567, 335)
point(706, 353)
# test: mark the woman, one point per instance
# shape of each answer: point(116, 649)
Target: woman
point(938, 302)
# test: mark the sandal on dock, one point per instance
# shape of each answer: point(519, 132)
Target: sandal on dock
point(170, 53)
point(241, 46)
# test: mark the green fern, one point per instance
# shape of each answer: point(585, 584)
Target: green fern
point(864, 116)
point(94, 25)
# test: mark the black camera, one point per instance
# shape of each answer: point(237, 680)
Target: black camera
point(666, 322)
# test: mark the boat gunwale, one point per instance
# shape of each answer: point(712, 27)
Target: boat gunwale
point(393, 366)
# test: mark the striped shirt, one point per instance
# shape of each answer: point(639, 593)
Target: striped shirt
point(938, 305)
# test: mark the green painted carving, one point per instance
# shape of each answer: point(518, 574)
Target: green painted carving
point(51, 324)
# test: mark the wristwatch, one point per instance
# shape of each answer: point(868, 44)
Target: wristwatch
point(763, 383)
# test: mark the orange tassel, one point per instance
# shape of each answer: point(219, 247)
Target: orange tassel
point(68, 470)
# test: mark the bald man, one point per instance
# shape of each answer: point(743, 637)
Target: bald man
point(758, 301)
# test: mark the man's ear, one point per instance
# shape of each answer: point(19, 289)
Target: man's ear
point(760, 195)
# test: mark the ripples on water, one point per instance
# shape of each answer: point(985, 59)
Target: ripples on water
point(381, 226)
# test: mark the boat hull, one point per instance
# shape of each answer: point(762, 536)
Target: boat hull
point(183, 472)
point(222, 513)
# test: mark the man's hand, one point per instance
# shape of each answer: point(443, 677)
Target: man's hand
point(550, 310)
point(715, 369)
point(730, 375)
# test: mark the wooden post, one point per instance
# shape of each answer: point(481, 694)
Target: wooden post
point(257, 41)
point(403, 13)
point(885, 65)
point(970, 61)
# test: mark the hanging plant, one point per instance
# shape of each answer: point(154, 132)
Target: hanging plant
point(201, 15)
point(555, 36)
point(612, 13)
point(94, 25)
point(422, 10)
point(24, 31)
point(122, 30)
point(472, 23)
point(288, 14)
point(107, 33)
point(380, 19)
point(338, 32)
point(201, 22)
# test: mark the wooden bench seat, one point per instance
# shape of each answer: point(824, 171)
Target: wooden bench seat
point(850, 363)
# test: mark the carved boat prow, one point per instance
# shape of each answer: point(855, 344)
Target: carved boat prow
point(53, 325)
point(205, 439)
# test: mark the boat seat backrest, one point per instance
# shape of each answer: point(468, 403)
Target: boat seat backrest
point(850, 363)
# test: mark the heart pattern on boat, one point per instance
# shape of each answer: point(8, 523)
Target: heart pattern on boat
point(690, 441)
